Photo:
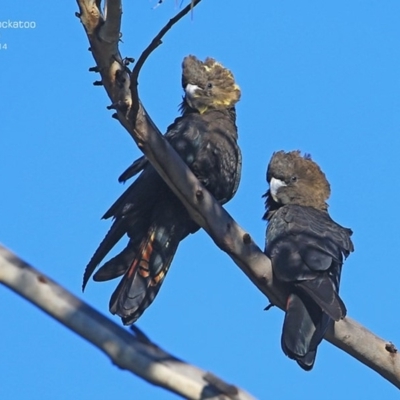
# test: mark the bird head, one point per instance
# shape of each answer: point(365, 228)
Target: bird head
point(296, 179)
point(208, 85)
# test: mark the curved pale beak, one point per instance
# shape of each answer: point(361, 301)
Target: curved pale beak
point(190, 91)
point(274, 186)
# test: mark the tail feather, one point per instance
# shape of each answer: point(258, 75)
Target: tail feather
point(117, 266)
point(137, 166)
point(304, 327)
point(144, 274)
point(121, 205)
point(155, 226)
point(113, 236)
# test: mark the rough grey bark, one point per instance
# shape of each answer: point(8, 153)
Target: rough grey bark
point(133, 352)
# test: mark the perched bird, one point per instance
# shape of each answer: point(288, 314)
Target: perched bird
point(307, 249)
point(205, 137)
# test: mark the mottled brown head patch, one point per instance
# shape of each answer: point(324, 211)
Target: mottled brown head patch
point(211, 86)
point(193, 72)
point(304, 182)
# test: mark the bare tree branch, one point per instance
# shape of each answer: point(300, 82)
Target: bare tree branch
point(137, 113)
point(131, 352)
point(157, 40)
point(347, 334)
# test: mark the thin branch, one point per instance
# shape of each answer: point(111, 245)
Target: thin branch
point(134, 76)
point(347, 334)
point(157, 40)
point(127, 351)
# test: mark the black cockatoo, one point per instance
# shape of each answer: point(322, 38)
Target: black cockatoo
point(205, 137)
point(307, 249)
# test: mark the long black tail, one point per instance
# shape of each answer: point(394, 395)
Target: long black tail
point(145, 272)
point(304, 327)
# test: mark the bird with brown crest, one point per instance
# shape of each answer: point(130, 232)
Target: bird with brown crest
point(307, 250)
point(148, 212)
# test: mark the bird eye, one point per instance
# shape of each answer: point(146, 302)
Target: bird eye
point(209, 85)
point(293, 178)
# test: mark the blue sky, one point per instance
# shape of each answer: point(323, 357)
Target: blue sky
point(322, 77)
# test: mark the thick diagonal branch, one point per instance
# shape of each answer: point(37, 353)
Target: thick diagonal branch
point(347, 334)
point(128, 351)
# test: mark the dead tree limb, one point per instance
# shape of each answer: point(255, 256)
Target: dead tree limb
point(347, 334)
point(135, 353)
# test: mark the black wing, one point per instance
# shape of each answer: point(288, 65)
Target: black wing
point(306, 248)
